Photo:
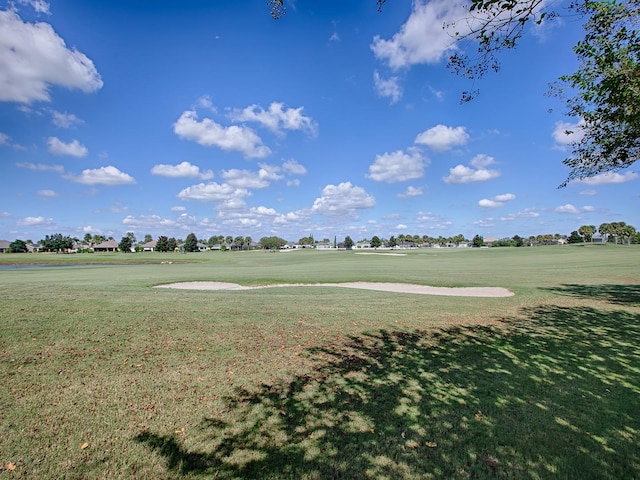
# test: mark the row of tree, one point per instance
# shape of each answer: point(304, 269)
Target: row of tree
point(613, 232)
point(618, 232)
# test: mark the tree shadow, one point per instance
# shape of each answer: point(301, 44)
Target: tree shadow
point(553, 395)
point(615, 294)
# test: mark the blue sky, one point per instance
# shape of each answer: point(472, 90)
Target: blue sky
point(165, 118)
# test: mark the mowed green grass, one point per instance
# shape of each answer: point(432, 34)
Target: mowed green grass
point(106, 377)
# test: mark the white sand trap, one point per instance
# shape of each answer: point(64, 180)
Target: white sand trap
point(382, 287)
point(387, 254)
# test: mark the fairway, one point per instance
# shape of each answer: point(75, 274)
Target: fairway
point(105, 376)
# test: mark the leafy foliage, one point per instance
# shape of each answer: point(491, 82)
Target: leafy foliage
point(495, 25)
point(277, 8)
point(191, 243)
point(307, 240)
point(56, 243)
point(348, 242)
point(603, 93)
point(518, 241)
point(272, 243)
point(478, 241)
point(162, 244)
point(587, 232)
point(18, 246)
point(608, 89)
point(125, 244)
point(574, 237)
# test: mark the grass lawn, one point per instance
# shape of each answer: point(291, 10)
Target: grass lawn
point(106, 377)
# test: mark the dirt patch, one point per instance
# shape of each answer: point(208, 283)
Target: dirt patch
point(491, 292)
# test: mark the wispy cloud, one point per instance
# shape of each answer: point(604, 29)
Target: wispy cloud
point(73, 148)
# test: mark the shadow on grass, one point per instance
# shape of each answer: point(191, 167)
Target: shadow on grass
point(616, 294)
point(555, 396)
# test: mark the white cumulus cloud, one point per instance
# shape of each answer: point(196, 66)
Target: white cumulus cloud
point(34, 221)
point(422, 39)
point(109, 176)
point(181, 170)
point(567, 208)
point(488, 203)
point(276, 118)
point(442, 138)
point(213, 192)
point(566, 134)
point(397, 166)
point(252, 179)
point(293, 168)
point(505, 197)
point(609, 178)
point(411, 192)
point(211, 134)
point(464, 174)
point(496, 201)
point(73, 148)
point(33, 58)
point(481, 160)
point(342, 199)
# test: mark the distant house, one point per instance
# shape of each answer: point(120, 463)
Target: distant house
point(324, 246)
point(221, 246)
point(108, 246)
point(4, 246)
point(202, 247)
point(34, 247)
point(149, 246)
point(363, 244)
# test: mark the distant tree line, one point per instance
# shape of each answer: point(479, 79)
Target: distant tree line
point(616, 232)
point(613, 232)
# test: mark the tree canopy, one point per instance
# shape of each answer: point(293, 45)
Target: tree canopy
point(602, 95)
point(125, 244)
point(348, 242)
point(272, 243)
point(607, 86)
point(191, 243)
point(18, 246)
point(56, 242)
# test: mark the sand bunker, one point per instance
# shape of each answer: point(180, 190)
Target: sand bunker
point(387, 254)
point(382, 287)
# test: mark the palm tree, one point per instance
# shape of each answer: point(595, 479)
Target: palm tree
point(605, 230)
point(616, 229)
point(587, 232)
point(627, 232)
